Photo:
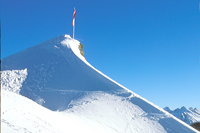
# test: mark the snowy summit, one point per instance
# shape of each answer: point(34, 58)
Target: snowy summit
point(52, 88)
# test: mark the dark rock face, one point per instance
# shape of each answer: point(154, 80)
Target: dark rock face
point(196, 125)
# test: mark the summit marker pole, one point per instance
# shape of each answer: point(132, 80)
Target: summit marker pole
point(73, 22)
point(73, 30)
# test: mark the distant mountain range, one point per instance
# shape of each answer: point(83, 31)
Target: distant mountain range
point(189, 116)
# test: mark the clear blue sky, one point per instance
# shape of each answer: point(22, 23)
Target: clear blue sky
point(151, 47)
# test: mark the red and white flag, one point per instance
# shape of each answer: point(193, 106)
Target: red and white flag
point(73, 19)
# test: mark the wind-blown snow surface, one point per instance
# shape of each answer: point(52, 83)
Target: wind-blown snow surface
point(59, 78)
point(189, 116)
point(12, 80)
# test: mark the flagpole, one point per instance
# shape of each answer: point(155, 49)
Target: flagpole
point(73, 23)
point(74, 29)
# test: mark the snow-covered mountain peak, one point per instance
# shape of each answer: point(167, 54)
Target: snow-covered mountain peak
point(66, 40)
point(167, 107)
point(60, 79)
point(184, 108)
point(58, 72)
point(74, 45)
point(181, 110)
point(64, 43)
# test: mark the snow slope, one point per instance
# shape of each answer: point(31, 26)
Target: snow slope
point(189, 116)
point(60, 79)
point(22, 115)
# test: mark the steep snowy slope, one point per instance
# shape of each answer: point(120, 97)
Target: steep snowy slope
point(56, 74)
point(189, 116)
point(59, 78)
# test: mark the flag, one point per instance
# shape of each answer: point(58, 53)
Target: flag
point(73, 19)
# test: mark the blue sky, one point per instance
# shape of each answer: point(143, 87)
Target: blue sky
point(151, 47)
